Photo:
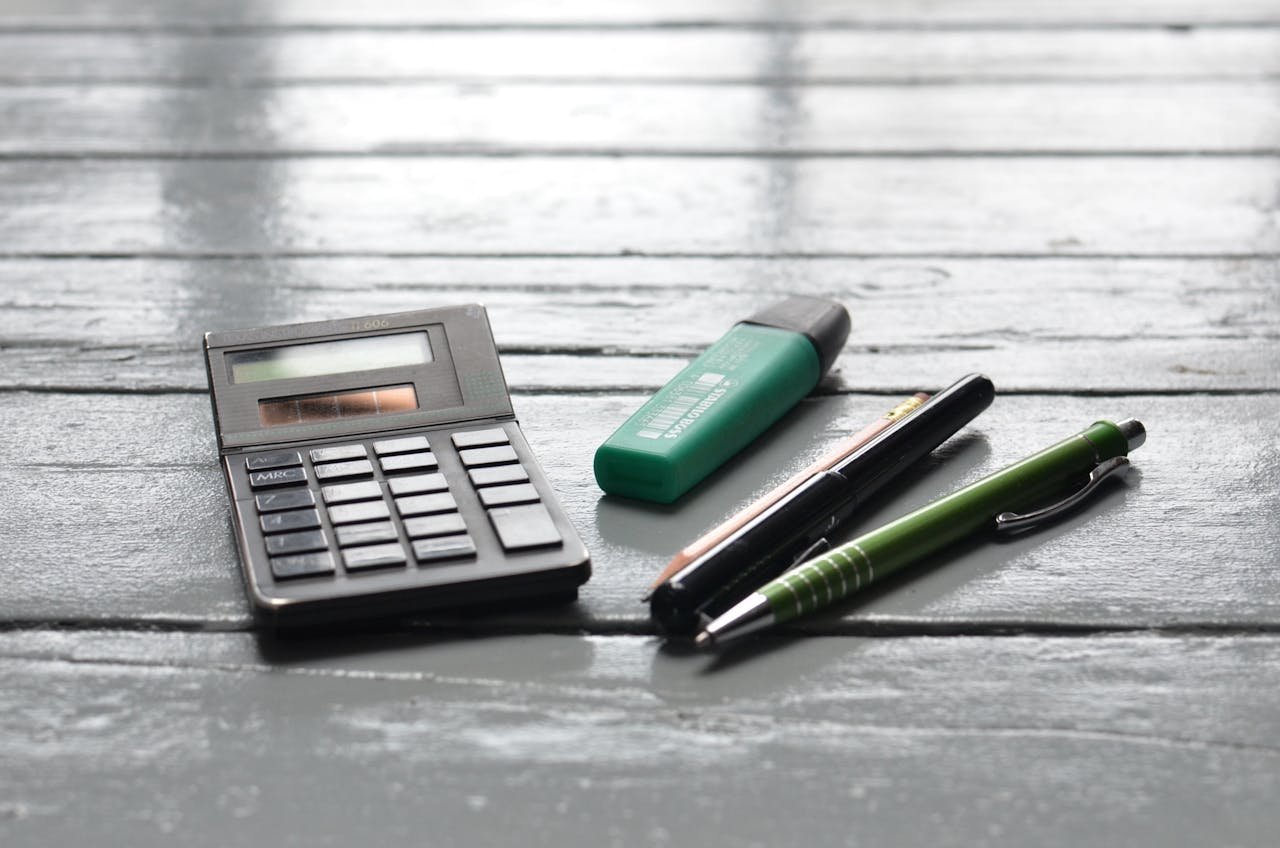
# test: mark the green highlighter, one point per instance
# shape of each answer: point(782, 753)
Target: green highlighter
point(722, 400)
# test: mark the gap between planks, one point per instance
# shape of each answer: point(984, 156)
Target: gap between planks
point(638, 627)
point(499, 152)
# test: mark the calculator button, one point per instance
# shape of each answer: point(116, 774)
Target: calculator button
point(356, 512)
point(296, 543)
point(335, 453)
point(521, 527)
point(423, 504)
point(276, 459)
point(418, 484)
point(277, 477)
point(365, 534)
point(508, 495)
point(447, 547)
point(280, 522)
point(351, 492)
point(405, 445)
point(488, 456)
point(434, 525)
point(480, 438)
point(373, 556)
point(302, 565)
point(287, 499)
point(498, 475)
point(409, 462)
point(338, 470)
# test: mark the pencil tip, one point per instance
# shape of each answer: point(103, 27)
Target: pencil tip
point(704, 640)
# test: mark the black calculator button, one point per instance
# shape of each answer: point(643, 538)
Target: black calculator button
point(345, 492)
point(275, 459)
point(302, 565)
point(287, 499)
point(480, 438)
point(409, 462)
point(281, 522)
point(277, 477)
point(488, 456)
point(498, 475)
point(335, 453)
point(424, 504)
point(434, 525)
point(446, 547)
point(297, 543)
point(418, 484)
point(338, 470)
point(373, 556)
point(520, 493)
point(353, 513)
point(522, 527)
point(405, 445)
point(365, 534)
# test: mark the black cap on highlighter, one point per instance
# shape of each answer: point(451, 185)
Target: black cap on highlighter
point(823, 322)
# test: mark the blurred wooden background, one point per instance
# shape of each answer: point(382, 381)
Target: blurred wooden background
point(1080, 199)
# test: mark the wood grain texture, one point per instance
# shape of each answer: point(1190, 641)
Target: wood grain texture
point(575, 741)
point(1033, 324)
point(1077, 198)
point(659, 55)
point(123, 14)
point(132, 479)
point(485, 206)
point(658, 120)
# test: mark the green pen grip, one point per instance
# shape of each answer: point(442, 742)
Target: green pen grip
point(883, 551)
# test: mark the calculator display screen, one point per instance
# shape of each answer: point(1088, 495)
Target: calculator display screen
point(319, 359)
point(311, 409)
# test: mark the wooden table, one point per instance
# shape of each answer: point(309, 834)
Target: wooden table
point(1080, 199)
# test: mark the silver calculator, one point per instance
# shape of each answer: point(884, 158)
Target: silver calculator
point(376, 468)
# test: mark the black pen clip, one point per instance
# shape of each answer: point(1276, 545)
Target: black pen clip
point(1011, 522)
point(818, 547)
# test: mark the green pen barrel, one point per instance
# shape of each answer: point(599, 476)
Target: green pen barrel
point(883, 551)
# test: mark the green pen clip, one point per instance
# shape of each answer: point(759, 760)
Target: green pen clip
point(1012, 522)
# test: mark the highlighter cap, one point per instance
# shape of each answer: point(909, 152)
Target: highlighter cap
point(825, 323)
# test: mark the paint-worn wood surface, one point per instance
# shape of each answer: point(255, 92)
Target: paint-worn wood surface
point(1079, 199)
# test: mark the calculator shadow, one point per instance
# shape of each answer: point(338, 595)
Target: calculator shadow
point(445, 630)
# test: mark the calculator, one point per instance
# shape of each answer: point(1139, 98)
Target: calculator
point(375, 467)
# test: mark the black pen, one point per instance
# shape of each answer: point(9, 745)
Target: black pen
point(798, 526)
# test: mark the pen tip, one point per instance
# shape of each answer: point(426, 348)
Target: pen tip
point(704, 640)
point(647, 597)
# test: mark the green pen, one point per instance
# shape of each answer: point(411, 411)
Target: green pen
point(1100, 451)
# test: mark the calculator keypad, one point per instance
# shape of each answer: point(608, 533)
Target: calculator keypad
point(361, 508)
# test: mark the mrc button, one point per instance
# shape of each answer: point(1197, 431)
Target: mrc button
point(277, 477)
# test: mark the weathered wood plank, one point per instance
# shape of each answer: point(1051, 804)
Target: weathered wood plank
point(1182, 324)
point(115, 511)
point(1055, 367)
point(142, 739)
point(1213, 117)
point(899, 206)
point(661, 55)
point(114, 14)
